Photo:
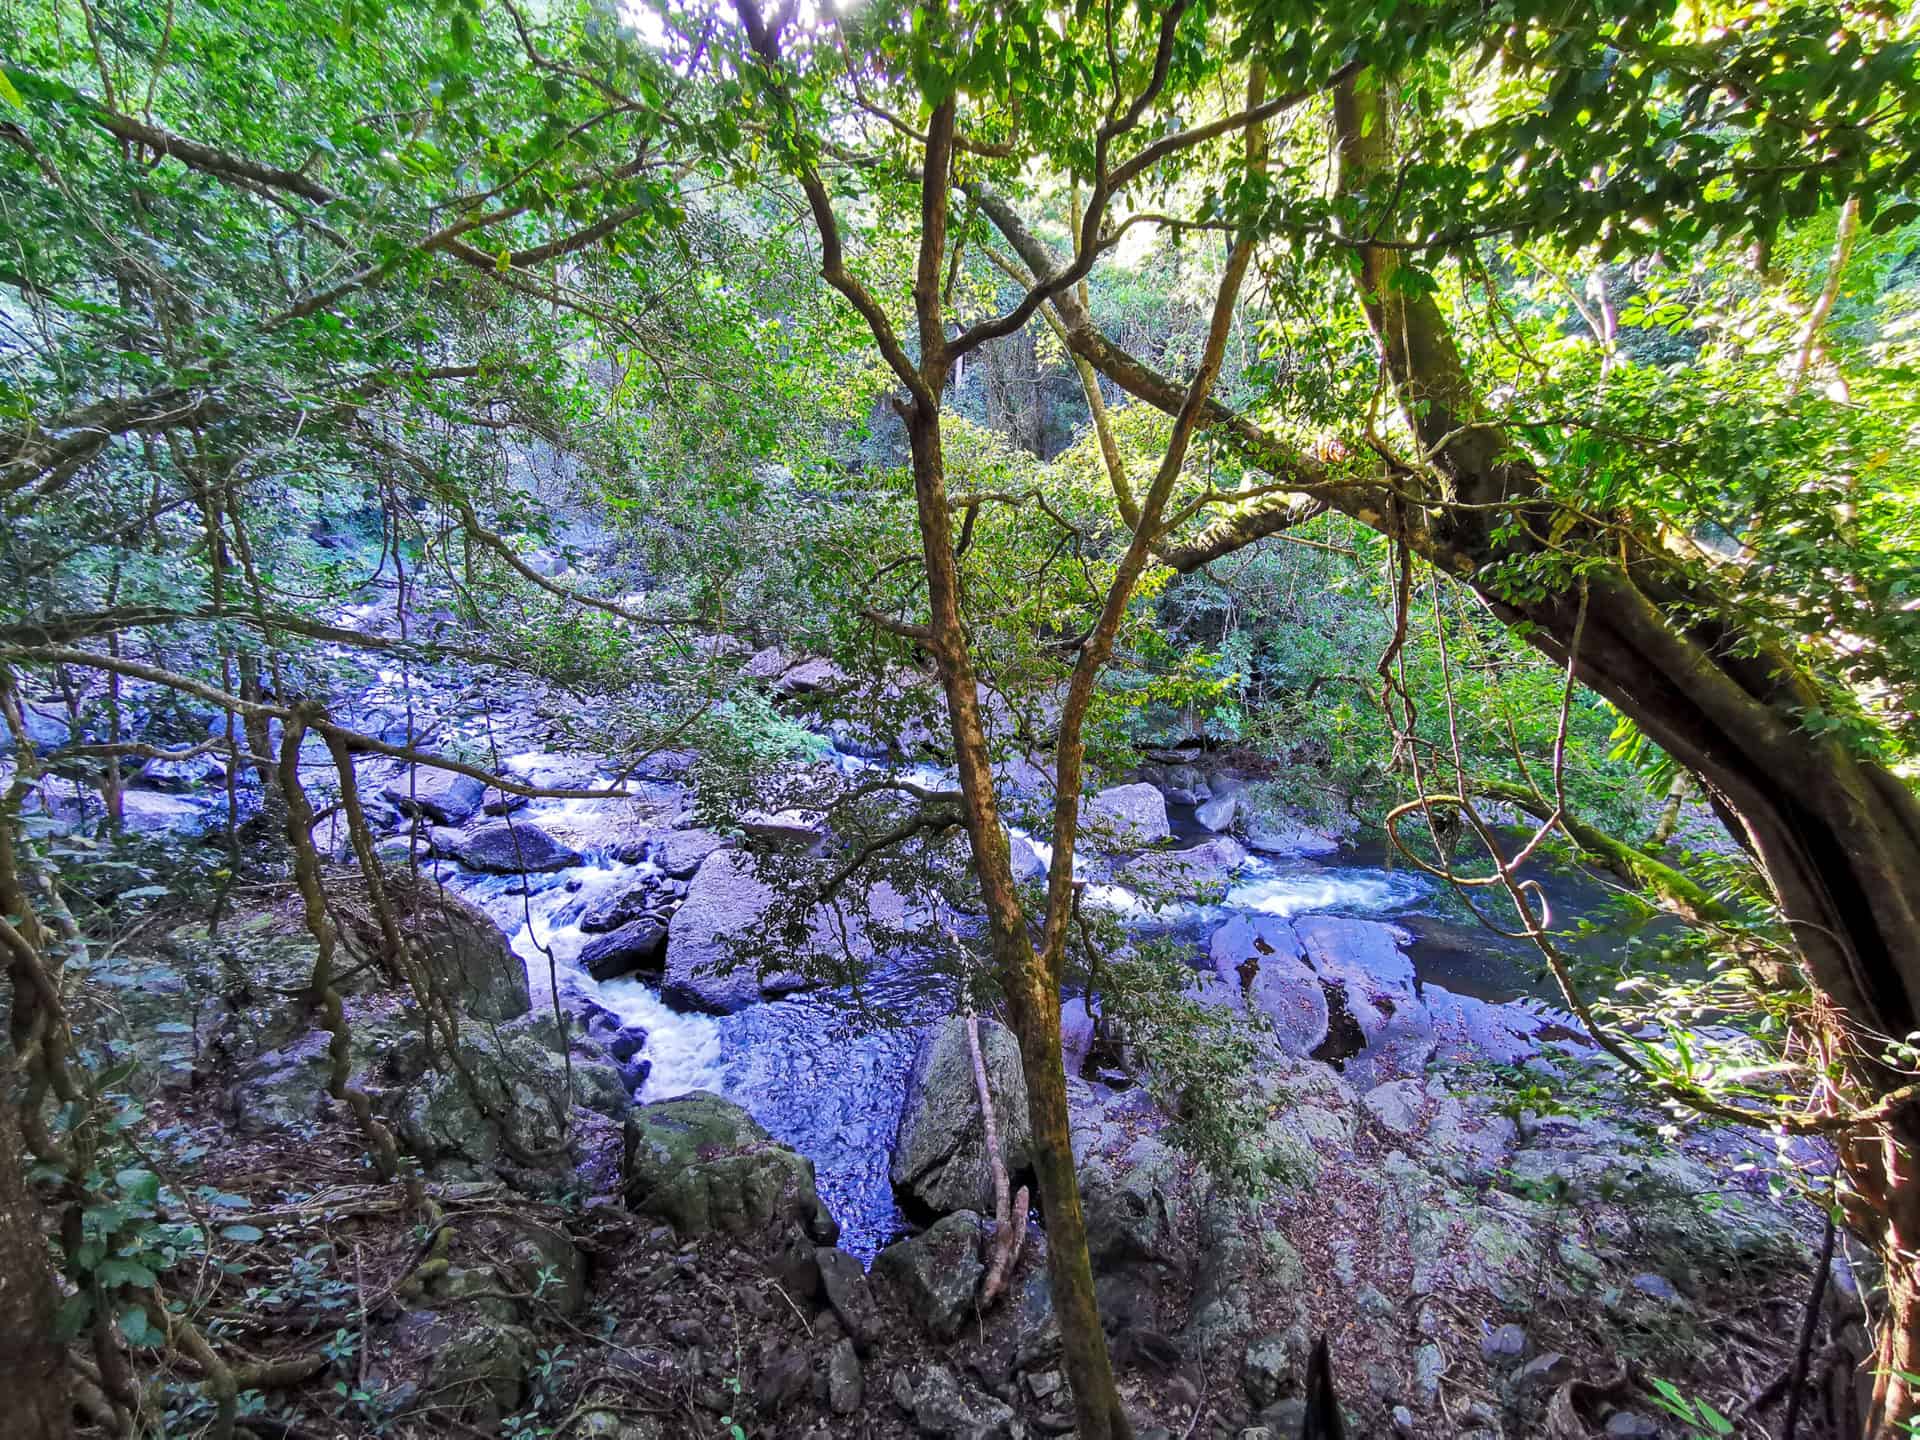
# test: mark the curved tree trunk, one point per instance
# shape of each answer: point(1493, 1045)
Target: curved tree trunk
point(1837, 835)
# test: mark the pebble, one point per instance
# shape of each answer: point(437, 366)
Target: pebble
point(1656, 1286)
point(1503, 1341)
point(1631, 1425)
point(1543, 1372)
point(1403, 1422)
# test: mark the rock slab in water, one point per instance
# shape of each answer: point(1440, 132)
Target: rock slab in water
point(1186, 874)
point(1126, 817)
point(728, 905)
point(940, 1158)
point(1217, 814)
point(443, 796)
point(508, 847)
point(937, 1272)
point(638, 947)
point(1283, 835)
point(706, 1165)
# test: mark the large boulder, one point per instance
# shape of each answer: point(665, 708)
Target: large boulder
point(197, 1001)
point(718, 943)
point(1200, 871)
point(504, 1097)
point(681, 853)
point(937, 1272)
point(509, 847)
point(808, 677)
point(1029, 866)
point(940, 1158)
point(1273, 834)
point(154, 812)
point(638, 947)
point(1126, 817)
point(442, 796)
point(706, 1165)
point(1217, 814)
point(468, 960)
point(46, 732)
point(1260, 961)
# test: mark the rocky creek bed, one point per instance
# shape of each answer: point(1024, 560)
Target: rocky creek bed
point(816, 1154)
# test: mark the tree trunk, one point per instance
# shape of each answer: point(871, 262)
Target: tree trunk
point(1033, 996)
point(1838, 836)
point(39, 1403)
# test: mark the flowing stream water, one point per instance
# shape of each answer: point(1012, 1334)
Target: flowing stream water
point(826, 1071)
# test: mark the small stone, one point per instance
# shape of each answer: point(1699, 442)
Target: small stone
point(1403, 1422)
point(1429, 1363)
point(1285, 1418)
point(1042, 1385)
point(1544, 1372)
point(688, 1332)
point(1656, 1287)
point(1631, 1425)
point(1503, 1342)
point(1265, 1370)
point(847, 1291)
point(845, 1386)
point(785, 1375)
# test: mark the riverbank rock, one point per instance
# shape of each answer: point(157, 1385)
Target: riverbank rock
point(1261, 964)
point(940, 1158)
point(443, 796)
point(1218, 813)
point(937, 1272)
point(705, 1165)
point(508, 847)
point(680, 853)
point(154, 812)
point(1126, 817)
point(506, 1098)
point(468, 959)
point(1379, 1022)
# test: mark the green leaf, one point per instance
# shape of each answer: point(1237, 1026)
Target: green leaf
point(133, 1325)
point(242, 1234)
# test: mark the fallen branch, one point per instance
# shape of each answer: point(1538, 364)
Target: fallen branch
point(1009, 1229)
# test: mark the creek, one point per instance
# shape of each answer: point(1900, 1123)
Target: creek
point(825, 1071)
